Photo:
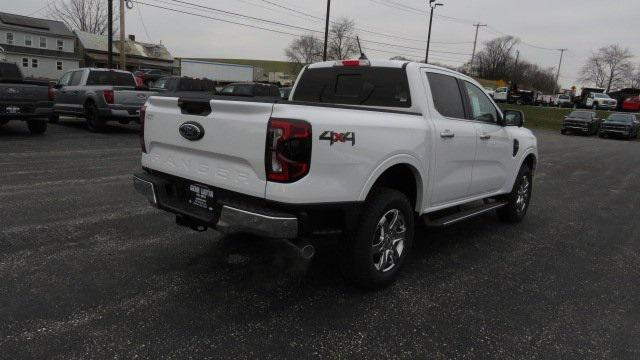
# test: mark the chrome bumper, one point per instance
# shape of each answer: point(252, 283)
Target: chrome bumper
point(238, 220)
point(233, 219)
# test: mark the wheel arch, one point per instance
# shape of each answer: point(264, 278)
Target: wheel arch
point(400, 172)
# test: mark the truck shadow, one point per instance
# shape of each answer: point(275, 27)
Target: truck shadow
point(112, 128)
point(266, 264)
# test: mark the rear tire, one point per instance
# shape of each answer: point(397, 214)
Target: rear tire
point(94, 122)
point(519, 198)
point(563, 132)
point(379, 247)
point(54, 118)
point(37, 127)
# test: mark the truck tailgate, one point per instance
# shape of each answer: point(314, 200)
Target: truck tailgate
point(231, 153)
point(131, 97)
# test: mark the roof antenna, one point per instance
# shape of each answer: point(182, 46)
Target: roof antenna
point(362, 55)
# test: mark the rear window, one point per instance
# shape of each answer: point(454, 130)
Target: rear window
point(114, 78)
point(9, 71)
point(187, 84)
point(372, 86)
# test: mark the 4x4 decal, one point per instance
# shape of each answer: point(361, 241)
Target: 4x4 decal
point(334, 137)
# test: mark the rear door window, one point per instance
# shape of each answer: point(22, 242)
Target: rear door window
point(446, 94)
point(371, 86)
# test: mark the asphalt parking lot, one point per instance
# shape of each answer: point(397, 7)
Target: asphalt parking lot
point(89, 270)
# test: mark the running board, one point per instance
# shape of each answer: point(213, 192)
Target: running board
point(463, 215)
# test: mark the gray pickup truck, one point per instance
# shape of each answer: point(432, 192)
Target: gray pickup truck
point(22, 99)
point(99, 95)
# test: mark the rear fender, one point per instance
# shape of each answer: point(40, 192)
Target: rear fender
point(400, 159)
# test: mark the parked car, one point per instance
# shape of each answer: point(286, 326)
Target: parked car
point(251, 89)
point(598, 101)
point(582, 121)
point(580, 101)
point(24, 100)
point(621, 95)
point(148, 76)
point(631, 104)
point(501, 94)
point(362, 149)
point(99, 95)
point(490, 91)
point(285, 92)
point(620, 125)
point(544, 100)
point(176, 86)
point(562, 100)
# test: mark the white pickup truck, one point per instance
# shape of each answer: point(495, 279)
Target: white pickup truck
point(361, 149)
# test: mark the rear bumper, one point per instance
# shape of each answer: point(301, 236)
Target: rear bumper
point(236, 212)
point(39, 112)
point(129, 112)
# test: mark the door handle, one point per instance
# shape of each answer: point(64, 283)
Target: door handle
point(447, 134)
point(485, 136)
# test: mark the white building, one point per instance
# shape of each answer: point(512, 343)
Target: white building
point(43, 49)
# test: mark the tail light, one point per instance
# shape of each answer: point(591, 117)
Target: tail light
point(51, 94)
point(288, 150)
point(108, 96)
point(143, 113)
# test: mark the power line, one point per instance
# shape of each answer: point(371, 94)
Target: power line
point(299, 27)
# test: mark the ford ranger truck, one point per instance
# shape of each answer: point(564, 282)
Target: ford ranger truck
point(361, 150)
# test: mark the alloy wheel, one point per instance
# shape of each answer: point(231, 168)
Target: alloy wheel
point(389, 240)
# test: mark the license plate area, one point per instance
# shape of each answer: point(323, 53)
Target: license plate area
point(12, 110)
point(200, 196)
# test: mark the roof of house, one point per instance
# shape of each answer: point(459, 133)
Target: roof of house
point(100, 43)
point(42, 26)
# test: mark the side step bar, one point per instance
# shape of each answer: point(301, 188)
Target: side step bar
point(463, 215)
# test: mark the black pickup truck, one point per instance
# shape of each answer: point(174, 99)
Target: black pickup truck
point(25, 100)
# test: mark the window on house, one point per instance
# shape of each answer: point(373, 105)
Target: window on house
point(27, 40)
point(43, 42)
point(59, 65)
point(60, 45)
point(34, 63)
point(9, 38)
point(25, 62)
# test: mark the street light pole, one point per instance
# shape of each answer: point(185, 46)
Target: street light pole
point(432, 5)
point(326, 31)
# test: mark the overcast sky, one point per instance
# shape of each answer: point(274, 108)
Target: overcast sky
point(581, 26)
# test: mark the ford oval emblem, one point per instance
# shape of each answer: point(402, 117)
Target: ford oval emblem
point(191, 131)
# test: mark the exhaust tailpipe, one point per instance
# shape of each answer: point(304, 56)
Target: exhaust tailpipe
point(303, 248)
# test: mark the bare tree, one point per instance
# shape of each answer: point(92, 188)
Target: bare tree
point(495, 60)
point(304, 50)
point(608, 67)
point(342, 40)
point(635, 78)
point(85, 15)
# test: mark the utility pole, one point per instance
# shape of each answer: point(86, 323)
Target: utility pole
point(559, 65)
point(432, 6)
point(123, 55)
point(110, 34)
point(326, 31)
point(514, 80)
point(475, 41)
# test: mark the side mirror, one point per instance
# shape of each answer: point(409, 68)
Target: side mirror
point(513, 118)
